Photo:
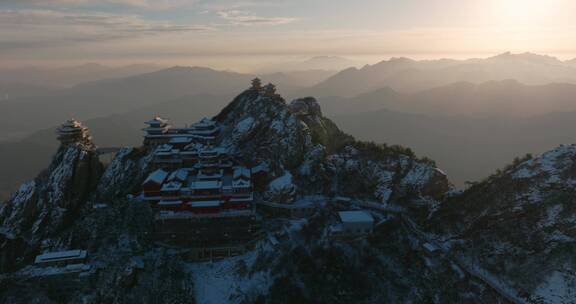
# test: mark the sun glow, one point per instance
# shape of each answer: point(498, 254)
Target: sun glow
point(524, 12)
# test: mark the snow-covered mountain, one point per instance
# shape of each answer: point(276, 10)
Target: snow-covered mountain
point(74, 204)
point(519, 225)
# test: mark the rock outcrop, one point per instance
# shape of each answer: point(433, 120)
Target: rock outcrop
point(42, 207)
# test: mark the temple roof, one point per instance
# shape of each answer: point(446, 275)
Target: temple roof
point(157, 120)
point(240, 172)
point(355, 216)
point(157, 176)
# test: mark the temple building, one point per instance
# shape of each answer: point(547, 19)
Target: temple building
point(209, 182)
point(61, 258)
point(270, 90)
point(156, 131)
point(256, 84)
point(353, 223)
point(159, 132)
point(202, 195)
point(72, 131)
point(204, 128)
point(59, 273)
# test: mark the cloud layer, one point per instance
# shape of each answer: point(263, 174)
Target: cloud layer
point(40, 28)
point(151, 4)
point(237, 17)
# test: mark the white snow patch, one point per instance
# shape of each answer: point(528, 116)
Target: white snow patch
point(24, 193)
point(557, 289)
point(243, 127)
point(220, 282)
point(552, 214)
point(281, 182)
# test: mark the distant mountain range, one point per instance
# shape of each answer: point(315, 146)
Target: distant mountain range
point(113, 96)
point(9, 91)
point(118, 95)
point(493, 98)
point(297, 79)
point(407, 75)
point(72, 75)
point(324, 63)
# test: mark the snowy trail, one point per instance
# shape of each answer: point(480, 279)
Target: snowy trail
point(504, 291)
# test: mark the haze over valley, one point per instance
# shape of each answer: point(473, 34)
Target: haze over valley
point(471, 116)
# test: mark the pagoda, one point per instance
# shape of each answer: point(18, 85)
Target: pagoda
point(270, 90)
point(157, 128)
point(72, 131)
point(256, 84)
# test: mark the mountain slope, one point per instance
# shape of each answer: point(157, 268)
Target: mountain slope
point(353, 81)
point(42, 207)
point(72, 75)
point(494, 98)
point(520, 220)
point(467, 148)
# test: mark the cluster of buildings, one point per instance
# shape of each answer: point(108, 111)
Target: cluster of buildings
point(202, 195)
point(159, 131)
point(194, 179)
point(200, 191)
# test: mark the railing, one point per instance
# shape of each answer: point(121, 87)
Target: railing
point(500, 287)
point(190, 215)
point(107, 150)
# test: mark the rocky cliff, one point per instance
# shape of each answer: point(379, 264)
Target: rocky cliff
point(44, 207)
point(296, 139)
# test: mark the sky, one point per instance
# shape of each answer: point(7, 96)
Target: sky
point(240, 34)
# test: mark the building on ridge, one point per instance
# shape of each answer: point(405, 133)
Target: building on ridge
point(270, 90)
point(202, 195)
point(356, 222)
point(159, 132)
point(61, 258)
point(156, 131)
point(72, 131)
point(256, 84)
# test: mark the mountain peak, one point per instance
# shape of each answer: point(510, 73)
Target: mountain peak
point(527, 56)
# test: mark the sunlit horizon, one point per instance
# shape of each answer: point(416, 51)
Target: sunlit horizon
point(242, 36)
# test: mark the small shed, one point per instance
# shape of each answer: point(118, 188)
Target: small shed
point(431, 249)
point(356, 222)
point(61, 258)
